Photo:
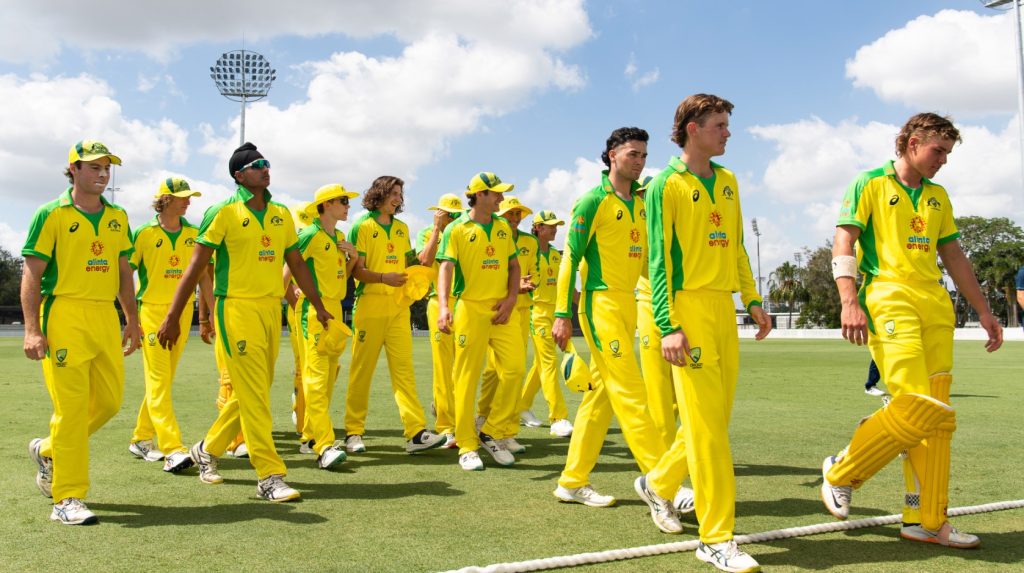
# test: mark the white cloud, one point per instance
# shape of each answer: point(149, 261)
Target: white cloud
point(11, 240)
point(643, 80)
point(146, 83)
point(953, 62)
point(35, 32)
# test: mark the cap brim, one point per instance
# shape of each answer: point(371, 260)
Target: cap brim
point(440, 208)
point(93, 157)
point(526, 210)
point(311, 209)
point(550, 222)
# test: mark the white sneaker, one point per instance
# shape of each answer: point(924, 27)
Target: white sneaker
point(354, 444)
point(561, 428)
point(144, 451)
point(423, 441)
point(512, 445)
point(207, 464)
point(178, 461)
point(449, 442)
point(662, 511)
point(527, 419)
point(240, 451)
point(332, 456)
point(586, 495)
point(947, 535)
point(274, 489)
point(72, 511)
point(480, 422)
point(307, 447)
point(874, 391)
point(683, 501)
point(836, 497)
point(727, 556)
point(44, 475)
point(497, 450)
point(471, 462)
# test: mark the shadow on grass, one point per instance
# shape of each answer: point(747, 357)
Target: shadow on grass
point(136, 516)
point(796, 507)
point(820, 553)
point(375, 491)
point(973, 396)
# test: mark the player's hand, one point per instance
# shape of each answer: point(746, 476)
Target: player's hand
point(994, 330)
point(561, 331)
point(855, 323)
point(441, 219)
point(131, 338)
point(168, 333)
point(35, 345)
point(503, 310)
point(675, 348)
point(444, 319)
point(348, 249)
point(322, 315)
point(526, 284)
point(393, 279)
point(764, 322)
point(207, 332)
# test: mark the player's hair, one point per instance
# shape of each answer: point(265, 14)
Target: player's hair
point(379, 191)
point(67, 172)
point(619, 137)
point(161, 203)
point(471, 197)
point(926, 125)
point(696, 108)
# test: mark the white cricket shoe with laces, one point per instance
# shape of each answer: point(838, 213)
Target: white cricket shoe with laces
point(423, 441)
point(527, 419)
point(207, 464)
point(44, 473)
point(947, 536)
point(471, 462)
point(144, 451)
point(662, 511)
point(177, 462)
point(332, 456)
point(354, 444)
point(72, 511)
point(836, 497)
point(274, 489)
point(727, 556)
point(561, 428)
point(586, 495)
point(497, 450)
point(683, 501)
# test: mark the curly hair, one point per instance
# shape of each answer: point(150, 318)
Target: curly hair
point(696, 108)
point(161, 203)
point(619, 137)
point(379, 191)
point(926, 125)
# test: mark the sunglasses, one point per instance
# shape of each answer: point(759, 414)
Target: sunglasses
point(258, 164)
point(343, 201)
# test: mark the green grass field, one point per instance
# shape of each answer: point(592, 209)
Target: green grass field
point(387, 511)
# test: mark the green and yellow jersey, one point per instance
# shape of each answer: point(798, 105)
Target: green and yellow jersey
point(81, 250)
point(528, 247)
point(609, 236)
point(696, 231)
point(160, 258)
point(901, 228)
point(326, 263)
point(421, 243)
point(384, 249)
point(546, 278)
point(249, 246)
point(481, 254)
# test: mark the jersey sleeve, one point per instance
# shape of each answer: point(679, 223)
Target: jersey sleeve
point(422, 237)
point(948, 230)
point(856, 209)
point(748, 287)
point(127, 241)
point(661, 210)
point(576, 241)
point(359, 240)
point(136, 257)
point(42, 236)
point(211, 231)
point(305, 238)
point(448, 250)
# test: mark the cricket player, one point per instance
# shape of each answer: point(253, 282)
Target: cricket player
point(330, 259)
point(252, 237)
point(901, 220)
point(442, 346)
point(544, 369)
point(513, 211)
point(163, 246)
point(480, 269)
point(302, 220)
point(384, 249)
point(607, 234)
point(697, 261)
point(76, 262)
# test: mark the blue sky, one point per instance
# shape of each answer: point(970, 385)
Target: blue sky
point(436, 91)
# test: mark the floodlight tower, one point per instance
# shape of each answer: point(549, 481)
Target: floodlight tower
point(757, 233)
point(1001, 5)
point(243, 75)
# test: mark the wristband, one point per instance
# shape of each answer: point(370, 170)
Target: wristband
point(844, 266)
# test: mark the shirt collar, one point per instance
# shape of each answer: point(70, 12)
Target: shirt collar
point(65, 198)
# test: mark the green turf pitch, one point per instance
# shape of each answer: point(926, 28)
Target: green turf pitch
point(387, 511)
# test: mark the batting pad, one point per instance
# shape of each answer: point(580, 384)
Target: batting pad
point(901, 425)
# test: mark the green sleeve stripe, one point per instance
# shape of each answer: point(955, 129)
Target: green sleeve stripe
point(210, 244)
point(304, 318)
point(579, 236)
point(656, 252)
point(458, 280)
point(36, 227)
point(291, 247)
point(36, 254)
point(222, 325)
point(143, 280)
point(948, 238)
point(849, 221)
point(311, 265)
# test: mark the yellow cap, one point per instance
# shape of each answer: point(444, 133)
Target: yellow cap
point(302, 219)
point(176, 186)
point(325, 194)
point(448, 202)
point(546, 217)
point(487, 181)
point(512, 203)
point(576, 371)
point(91, 150)
point(332, 340)
point(418, 279)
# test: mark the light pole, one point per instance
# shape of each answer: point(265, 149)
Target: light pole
point(113, 184)
point(996, 4)
point(757, 233)
point(243, 76)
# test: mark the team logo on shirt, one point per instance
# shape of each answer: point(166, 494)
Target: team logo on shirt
point(643, 214)
point(73, 227)
point(437, 336)
point(399, 233)
point(540, 332)
point(695, 358)
point(462, 341)
point(174, 260)
point(614, 347)
point(696, 195)
point(267, 255)
point(728, 193)
point(890, 328)
point(918, 224)
point(375, 233)
point(917, 241)
point(362, 336)
point(276, 221)
point(62, 355)
point(190, 242)
point(151, 338)
point(114, 226)
point(934, 204)
point(502, 234)
point(472, 238)
point(524, 251)
point(645, 341)
point(241, 347)
point(715, 218)
point(159, 243)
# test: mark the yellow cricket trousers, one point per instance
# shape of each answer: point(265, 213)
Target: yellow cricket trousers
point(489, 381)
point(543, 372)
point(474, 336)
point(249, 329)
point(705, 389)
point(225, 392)
point(442, 352)
point(84, 373)
point(377, 323)
point(661, 398)
point(608, 319)
point(319, 373)
point(156, 415)
point(298, 351)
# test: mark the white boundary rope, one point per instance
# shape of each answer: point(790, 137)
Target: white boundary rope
point(691, 545)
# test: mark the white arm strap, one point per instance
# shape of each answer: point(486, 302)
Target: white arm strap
point(844, 266)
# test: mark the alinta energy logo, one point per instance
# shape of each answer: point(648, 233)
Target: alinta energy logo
point(267, 255)
point(717, 238)
point(97, 248)
point(715, 218)
point(97, 264)
point(917, 241)
point(174, 272)
point(635, 250)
